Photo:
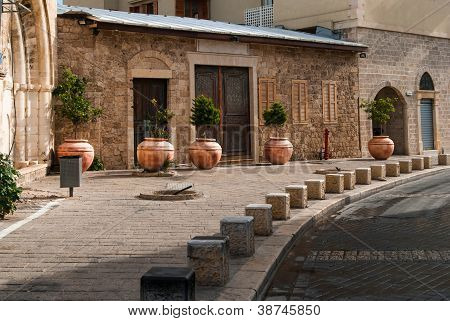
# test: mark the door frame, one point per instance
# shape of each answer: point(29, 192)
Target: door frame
point(230, 60)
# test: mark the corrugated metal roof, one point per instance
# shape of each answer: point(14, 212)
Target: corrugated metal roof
point(198, 25)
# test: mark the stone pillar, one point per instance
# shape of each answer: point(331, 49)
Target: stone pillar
point(363, 176)
point(349, 180)
point(378, 172)
point(444, 159)
point(298, 195)
point(316, 189)
point(427, 162)
point(405, 166)
point(240, 231)
point(262, 215)
point(281, 208)
point(393, 169)
point(418, 164)
point(20, 104)
point(32, 130)
point(45, 126)
point(334, 183)
point(209, 257)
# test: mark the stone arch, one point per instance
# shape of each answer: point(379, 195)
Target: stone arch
point(396, 128)
point(420, 73)
point(150, 59)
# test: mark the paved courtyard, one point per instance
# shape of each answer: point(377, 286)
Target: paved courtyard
point(97, 245)
point(394, 245)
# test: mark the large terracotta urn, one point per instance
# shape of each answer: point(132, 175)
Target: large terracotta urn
point(205, 153)
point(278, 150)
point(153, 152)
point(77, 147)
point(381, 147)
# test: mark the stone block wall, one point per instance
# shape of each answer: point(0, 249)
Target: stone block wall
point(106, 59)
point(398, 60)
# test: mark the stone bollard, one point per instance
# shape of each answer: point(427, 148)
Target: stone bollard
point(168, 284)
point(298, 195)
point(427, 162)
point(209, 257)
point(405, 166)
point(378, 172)
point(240, 231)
point(393, 169)
point(316, 189)
point(349, 180)
point(280, 205)
point(444, 159)
point(363, 176)
point(417, 164)
point(334, 183)
point(262, 214)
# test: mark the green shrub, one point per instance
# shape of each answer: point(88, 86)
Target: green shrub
point(9, 191)
point(276, 115)
point(97, 165)
point(75, 107)
point(204, 114)
point(157, 122)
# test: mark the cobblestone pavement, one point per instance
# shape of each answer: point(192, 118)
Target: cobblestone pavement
point(394, 245)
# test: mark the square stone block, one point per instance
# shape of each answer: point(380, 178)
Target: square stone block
point(444, 159)
point(417, 164)
point(349, 180)
point(262, 214)
point(393, 169)
point(378, 171)
point(427, 162)
point(334, 183)
point(281, 208)
point(240, 231)
point(168, 284)
point(405, 166)
point(209, 257)
point(298, 195)
point(363, 176)
point(316, 189)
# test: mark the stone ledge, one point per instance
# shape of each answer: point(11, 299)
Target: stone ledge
point(32, 173)
point(271, 251)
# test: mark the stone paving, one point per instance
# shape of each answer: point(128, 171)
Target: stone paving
point(394, 245)
point(97, 245)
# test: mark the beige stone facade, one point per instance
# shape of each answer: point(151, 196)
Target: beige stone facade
point(26, 82)
point(111, 59)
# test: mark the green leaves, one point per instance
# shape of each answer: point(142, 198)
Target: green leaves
point(75, 107)
point(276, 115)
point(379, 110)
point(9, 191)
point(157, 122)
point(204, 112)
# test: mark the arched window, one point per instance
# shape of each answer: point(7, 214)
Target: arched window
point(426, 83)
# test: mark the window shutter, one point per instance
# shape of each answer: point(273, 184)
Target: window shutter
point(179, 8)
point(299, 101)
point(329, 101)
point(266, 96)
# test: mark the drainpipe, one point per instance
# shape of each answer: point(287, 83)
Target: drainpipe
point(326, 138)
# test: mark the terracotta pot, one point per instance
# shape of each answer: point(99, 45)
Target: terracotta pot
point(153, 152)
point(205, 153)
point(381, 147)
point(77, 147)
point(278, 151)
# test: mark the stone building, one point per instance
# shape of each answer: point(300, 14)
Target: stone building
point(408, 58)
point(131, 58)
point(26, 80)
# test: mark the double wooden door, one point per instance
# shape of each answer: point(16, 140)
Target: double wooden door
point(229, 89)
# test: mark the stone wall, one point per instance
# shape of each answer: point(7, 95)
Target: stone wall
point(398, 60)
point(108, 59)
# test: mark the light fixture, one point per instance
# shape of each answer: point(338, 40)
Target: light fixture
point(363, 55)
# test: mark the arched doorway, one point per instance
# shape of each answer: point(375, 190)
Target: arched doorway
point(395, 128)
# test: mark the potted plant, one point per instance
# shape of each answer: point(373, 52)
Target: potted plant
point(379, 111)
point(205, 153)
point(9, 191)
point(156, 151)
point(77, 109)
point(277, 150)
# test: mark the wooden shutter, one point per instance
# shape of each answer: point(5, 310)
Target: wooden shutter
point(329, 101)
point(299, 101)
point(266, 96)
point(179, 8)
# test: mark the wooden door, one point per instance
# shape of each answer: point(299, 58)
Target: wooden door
point(144, 90)
point(235, 111)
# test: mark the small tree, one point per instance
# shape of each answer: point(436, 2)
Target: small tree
point(204, 114)
point(157, 123)
point(380, 110)
point(275, 116)
point(9, 191)
point(75, 107)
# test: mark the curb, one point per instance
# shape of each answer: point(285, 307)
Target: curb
point(296, 227)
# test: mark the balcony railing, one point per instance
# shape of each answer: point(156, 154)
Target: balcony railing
point(260, 16)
